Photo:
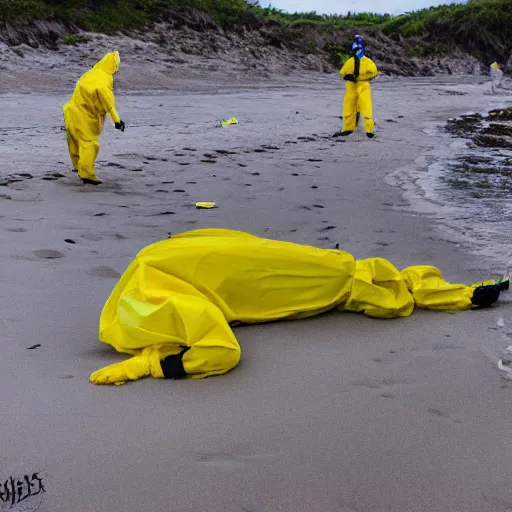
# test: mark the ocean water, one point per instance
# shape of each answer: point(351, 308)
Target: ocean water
point(467, 190)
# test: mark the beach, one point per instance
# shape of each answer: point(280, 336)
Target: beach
point(339, 413)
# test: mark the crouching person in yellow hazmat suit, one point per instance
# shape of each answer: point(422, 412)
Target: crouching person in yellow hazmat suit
point(84, 115)
point(358, 71)
point(173, 308)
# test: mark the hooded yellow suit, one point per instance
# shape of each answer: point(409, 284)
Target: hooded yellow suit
point(174, 306)
point(85, 112)
point(358, 94)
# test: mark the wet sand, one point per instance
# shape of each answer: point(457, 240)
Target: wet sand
point(340, 413)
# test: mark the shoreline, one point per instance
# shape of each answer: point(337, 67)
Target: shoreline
point(417, 182)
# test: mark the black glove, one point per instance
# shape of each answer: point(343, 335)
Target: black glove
point(350, 78)
point(120, 126)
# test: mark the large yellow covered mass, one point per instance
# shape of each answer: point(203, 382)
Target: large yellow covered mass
point(174, 306)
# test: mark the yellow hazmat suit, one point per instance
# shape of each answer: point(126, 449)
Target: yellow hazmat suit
point(358, 72)
point(174, 306)
point(85, 112)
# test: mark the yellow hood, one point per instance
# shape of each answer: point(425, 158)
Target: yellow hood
point(109, 64)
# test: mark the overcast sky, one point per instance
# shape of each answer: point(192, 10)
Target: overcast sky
point(343, 6)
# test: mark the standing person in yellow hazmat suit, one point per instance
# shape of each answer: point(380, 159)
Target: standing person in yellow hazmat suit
point(358, 71)
point(84, 115)
point(173, 308)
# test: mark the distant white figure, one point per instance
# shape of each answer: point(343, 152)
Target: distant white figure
point(496, 77)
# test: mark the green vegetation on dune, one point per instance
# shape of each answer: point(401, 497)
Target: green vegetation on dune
point(481, 27)
point(351, 20)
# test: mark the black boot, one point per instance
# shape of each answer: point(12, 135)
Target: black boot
point(88, 181)
point(343, 133)
point(484, 296)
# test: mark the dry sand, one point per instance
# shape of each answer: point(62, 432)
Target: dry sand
point(338, 414)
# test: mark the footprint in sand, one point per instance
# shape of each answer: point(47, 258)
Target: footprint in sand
point(447, 346)
point(8, 181)
point(103, 271)
point(229, 459)
point(48, 254)
point(96, 237)
point(377, 384)
point(92, 237)
point(367, 383)
point(225, 152)
point(52, 176)
point(441, 414)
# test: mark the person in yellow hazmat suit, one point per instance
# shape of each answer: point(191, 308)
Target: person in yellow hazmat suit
point(173, 308)
point(84, 115)
point(358, 71)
